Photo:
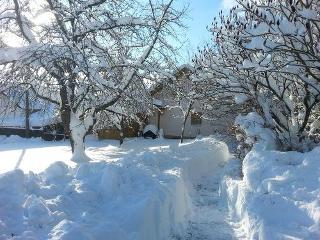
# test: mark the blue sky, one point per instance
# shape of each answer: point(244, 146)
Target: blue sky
point(201, 14)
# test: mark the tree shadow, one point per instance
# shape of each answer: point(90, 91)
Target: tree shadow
point(20, 158)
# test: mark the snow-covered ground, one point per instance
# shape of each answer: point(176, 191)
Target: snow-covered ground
point(145, 189)
point(31, 155)
point(157, 189)
point(210, 220)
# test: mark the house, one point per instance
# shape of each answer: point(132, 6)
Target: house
point(27, 119)
point(127, 130)
point(170, 120)
point(169, 117)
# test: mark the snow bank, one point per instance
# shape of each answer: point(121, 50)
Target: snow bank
point(94, 201)
point(279, 196)
point(142, 196)
point(205, 157)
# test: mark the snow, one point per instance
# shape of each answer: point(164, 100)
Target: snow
point(240, 98)
point(159, 189)
point(278, 197)
point(257, 135)
point(309, 14)
point(247, 64)
point(210, 216)
point(141, 190)
point(79, 130)
point(158, 102)
point(256, 43)
point(151, 128)
point(10, 54)
point(260, 29)
point(16, 152)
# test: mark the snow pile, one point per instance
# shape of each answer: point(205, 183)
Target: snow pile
point(205, 157)
point(94, 201)
point(141, 196)
point(279, 196)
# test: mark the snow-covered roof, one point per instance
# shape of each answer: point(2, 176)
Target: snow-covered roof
point(38, 119)
point(158, 103)
point(151, 128)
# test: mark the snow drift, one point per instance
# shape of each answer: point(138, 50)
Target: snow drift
point(141, 196)
point(279, 195)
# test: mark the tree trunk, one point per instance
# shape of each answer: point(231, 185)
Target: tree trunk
point(185, 121)
point(78, 131)
point(27, 115)
point(121, 130)
point(65, 114)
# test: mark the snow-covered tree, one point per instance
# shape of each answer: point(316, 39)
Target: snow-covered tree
point(90, 53)
point(267, 52)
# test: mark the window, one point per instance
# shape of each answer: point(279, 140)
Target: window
point(196, 118)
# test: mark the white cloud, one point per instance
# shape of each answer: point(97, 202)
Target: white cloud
point(227, 4)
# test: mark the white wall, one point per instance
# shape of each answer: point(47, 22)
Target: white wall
point(171, 121)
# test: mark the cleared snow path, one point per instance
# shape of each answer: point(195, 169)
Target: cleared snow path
point(210, 218)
